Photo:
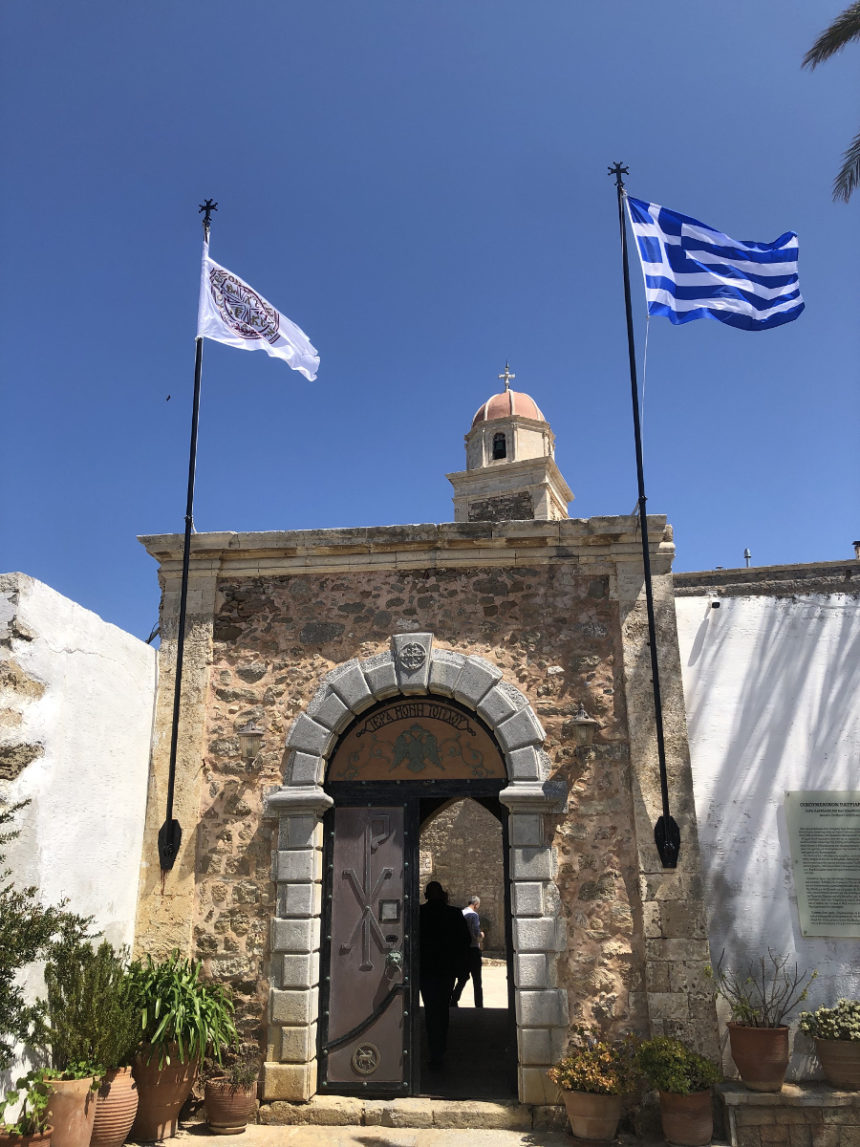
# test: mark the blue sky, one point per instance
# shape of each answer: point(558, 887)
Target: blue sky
point(422, 187)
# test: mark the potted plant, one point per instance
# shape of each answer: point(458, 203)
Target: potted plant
point(836, 1032)
point(181, 1018)
point(114, 1030)
point(594, 1075)
point(684, 1080)
point(761, 998)
point(72, 1037)
point(231, 1096)
point(30, 1125)
point(28, 932)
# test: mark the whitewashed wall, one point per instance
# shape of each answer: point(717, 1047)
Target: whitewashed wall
point(81, 692)
point(772, 688)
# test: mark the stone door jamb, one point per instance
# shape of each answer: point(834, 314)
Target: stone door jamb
point(413, 667)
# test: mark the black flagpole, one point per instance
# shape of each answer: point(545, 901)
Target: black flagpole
point(667, 836)
point(170, 833)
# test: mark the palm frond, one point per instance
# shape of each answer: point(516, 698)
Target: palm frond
point(848, 178)
point(844, 29)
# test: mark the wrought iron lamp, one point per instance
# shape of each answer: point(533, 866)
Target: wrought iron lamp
point(584, 727)
point(250, 741)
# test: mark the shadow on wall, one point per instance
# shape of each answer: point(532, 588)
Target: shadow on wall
point(771, 687)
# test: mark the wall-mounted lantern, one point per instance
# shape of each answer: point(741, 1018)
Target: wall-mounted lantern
point(584, 727)
point(250, 741)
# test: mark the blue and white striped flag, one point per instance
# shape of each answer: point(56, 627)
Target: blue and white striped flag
point(694, 272)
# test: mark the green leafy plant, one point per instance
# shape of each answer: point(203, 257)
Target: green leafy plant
point(841, 1022)
point(28, 932)
point(669, 1065)
point(765, 992)
point(597, 1065)
point(91, 1016)
point(32, 1118)
point(177, 1008)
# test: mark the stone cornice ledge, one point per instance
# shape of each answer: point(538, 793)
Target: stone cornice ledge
point(567, 538)
point(296, 800)
point(534, 796)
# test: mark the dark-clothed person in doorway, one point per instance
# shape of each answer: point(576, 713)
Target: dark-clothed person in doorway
point(444, 942)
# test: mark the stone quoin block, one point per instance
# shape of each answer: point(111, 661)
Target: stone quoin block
point(295, 1082)
point(535, 1046)
point(299, 865)
point(351, 686)
point(476, 678)
point(527, 830)
point(328, 710)
point(298, 1044)
point(301, 831)
point(547, 1008)
point(306, 736)
point(381, 675)
point(412, 653)
point(296, 935)
point(536, 1087)
point(531, 970)
point(300, 971)
point(531, 863)
point(527, 898)
point(541, 934)
point(299, 900)
point(519, 731)
point(293, 1007)
point(304, 768)
point(445, 667)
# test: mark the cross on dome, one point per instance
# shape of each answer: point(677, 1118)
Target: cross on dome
point(507, 376)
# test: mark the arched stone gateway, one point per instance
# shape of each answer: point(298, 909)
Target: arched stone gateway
point(412, 669)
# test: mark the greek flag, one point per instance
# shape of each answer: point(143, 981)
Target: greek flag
point(694, 272)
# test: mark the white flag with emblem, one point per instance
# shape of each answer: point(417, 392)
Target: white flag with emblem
point(231, 312)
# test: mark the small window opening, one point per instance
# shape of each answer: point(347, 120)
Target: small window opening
point(500, 449)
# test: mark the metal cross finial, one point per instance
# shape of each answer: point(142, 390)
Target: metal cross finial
point(507, 376)
point(619, 169)
point(207, 208)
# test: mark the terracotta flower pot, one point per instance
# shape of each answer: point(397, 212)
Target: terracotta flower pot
point(162, 1092)
point(592, 1116)
point(688, 1120)
point(840, 1061)
point(71, 1110)
point(760, 1054)
point(228, 1108)
point(116, 1108)
point(37, 1139)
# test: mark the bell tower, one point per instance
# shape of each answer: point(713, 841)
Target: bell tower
point(511, 473)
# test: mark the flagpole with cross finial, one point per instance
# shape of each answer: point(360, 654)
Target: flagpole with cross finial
point(170, 833)
point(667, 835)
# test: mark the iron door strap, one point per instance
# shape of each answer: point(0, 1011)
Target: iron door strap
point(365, 1023)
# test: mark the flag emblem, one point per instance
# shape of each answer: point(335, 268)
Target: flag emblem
point(695, 272)
point(241, 308)
point(231, 312)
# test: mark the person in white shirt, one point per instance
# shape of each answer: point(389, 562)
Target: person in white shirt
point(473, 920)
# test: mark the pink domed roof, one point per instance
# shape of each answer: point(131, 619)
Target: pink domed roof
point(506, 404)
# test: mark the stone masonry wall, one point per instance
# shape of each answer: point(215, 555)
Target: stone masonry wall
point(552, 632)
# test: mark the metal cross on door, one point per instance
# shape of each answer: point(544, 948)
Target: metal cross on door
point(365, 1024)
